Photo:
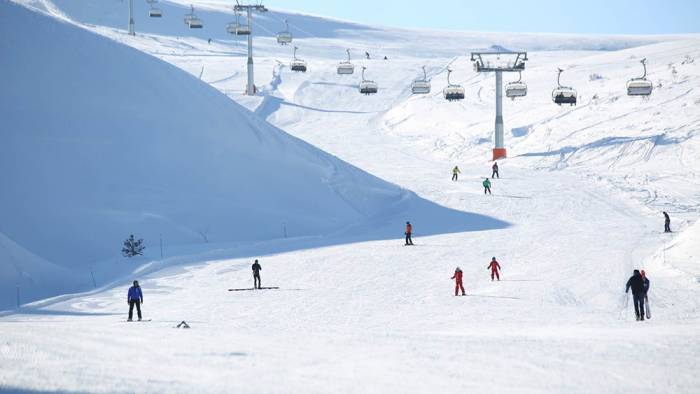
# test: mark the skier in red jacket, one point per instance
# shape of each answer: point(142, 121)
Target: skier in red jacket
point(494, 268)
point(458, 281)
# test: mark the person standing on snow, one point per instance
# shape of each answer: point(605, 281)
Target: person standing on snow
point(667, 223)
point(487, 185)
point(458, 281)
point(134, 297)
point(409, 231)
point(494, 266)
point(495, 170)
point(636, 282)
point(455, 173)
point(256, 274)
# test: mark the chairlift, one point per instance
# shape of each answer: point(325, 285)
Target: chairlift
point(421, 86)
point(237, 28)
point(452, 92)
point(284, 37)
point(154, 12)
point(516, 88)
point(192, 21)
point(563, 94)
point(297, 64)
point(640, 86)
point(367, 86)
point(346, 67)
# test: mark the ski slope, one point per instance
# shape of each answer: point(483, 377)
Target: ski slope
point(109, 141)
point(583, 190)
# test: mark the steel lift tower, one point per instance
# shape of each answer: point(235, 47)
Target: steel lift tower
point(499, 62)
point(131, 18)
point(250, 88)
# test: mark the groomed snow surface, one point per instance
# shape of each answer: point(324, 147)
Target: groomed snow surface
point(143, 147)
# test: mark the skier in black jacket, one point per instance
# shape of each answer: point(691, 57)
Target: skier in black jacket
point(667, 223)
point(636, 282)
point(256, 274)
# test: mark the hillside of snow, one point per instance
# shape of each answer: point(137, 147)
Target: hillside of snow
point(356, 311)
point(108, 142)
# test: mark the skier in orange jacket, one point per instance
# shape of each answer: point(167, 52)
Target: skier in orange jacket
point(494, 266)
point(458, 281)
point(409, 230)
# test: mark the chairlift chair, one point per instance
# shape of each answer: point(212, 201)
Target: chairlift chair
point(367, 86)
point(452, 92)
point(516, 88)
point(231, 27)
point(284, 37)
point(154, 12)
point(421, 86)
point(237, 28)
point(298, 64)
point(346, 67)
point(563, 94)
point(192, 21)
point(640, 86)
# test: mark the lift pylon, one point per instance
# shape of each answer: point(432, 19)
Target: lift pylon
point(249, 8)
point(499, 62)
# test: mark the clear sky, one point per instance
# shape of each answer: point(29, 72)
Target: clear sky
point(548, 16)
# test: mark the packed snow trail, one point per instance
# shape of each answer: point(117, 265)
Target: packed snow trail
point(379, 316)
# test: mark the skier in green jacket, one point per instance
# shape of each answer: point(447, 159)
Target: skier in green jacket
point(455, 173)
point(487, 186)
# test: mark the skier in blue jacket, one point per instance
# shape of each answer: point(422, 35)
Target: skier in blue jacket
point(134, 297)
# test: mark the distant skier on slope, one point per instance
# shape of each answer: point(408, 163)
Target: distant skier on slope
point(455, 173)
point(458, 281)
point(667, 223)
point(134, 297)
point(487, 186)
point(494, 168)
point(636, 282)
point(256, 274)
point(494, 266)
point(409, 231)
point(367, 54)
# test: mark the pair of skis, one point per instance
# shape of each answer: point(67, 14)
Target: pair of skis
point(253, 288)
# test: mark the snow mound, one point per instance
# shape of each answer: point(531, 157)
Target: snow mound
point(101, 141)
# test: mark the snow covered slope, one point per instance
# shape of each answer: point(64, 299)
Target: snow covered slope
point(102, 141)
point(583, 189)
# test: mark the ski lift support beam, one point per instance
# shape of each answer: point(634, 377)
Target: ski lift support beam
point(516, 65)
point(249, 8)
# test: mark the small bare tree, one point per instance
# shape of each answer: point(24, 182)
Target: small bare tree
point(133, 247)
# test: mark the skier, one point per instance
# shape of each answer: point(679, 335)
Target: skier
point(134, 297)
point(494, 266)
point(458, 281)
point(386, 58)
point(495, 170)
point(667, 223)
point(367, 54)
point(409, 230)
point(636, 282)
point(256, 274)
point(487, 185)
point(455, 173)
